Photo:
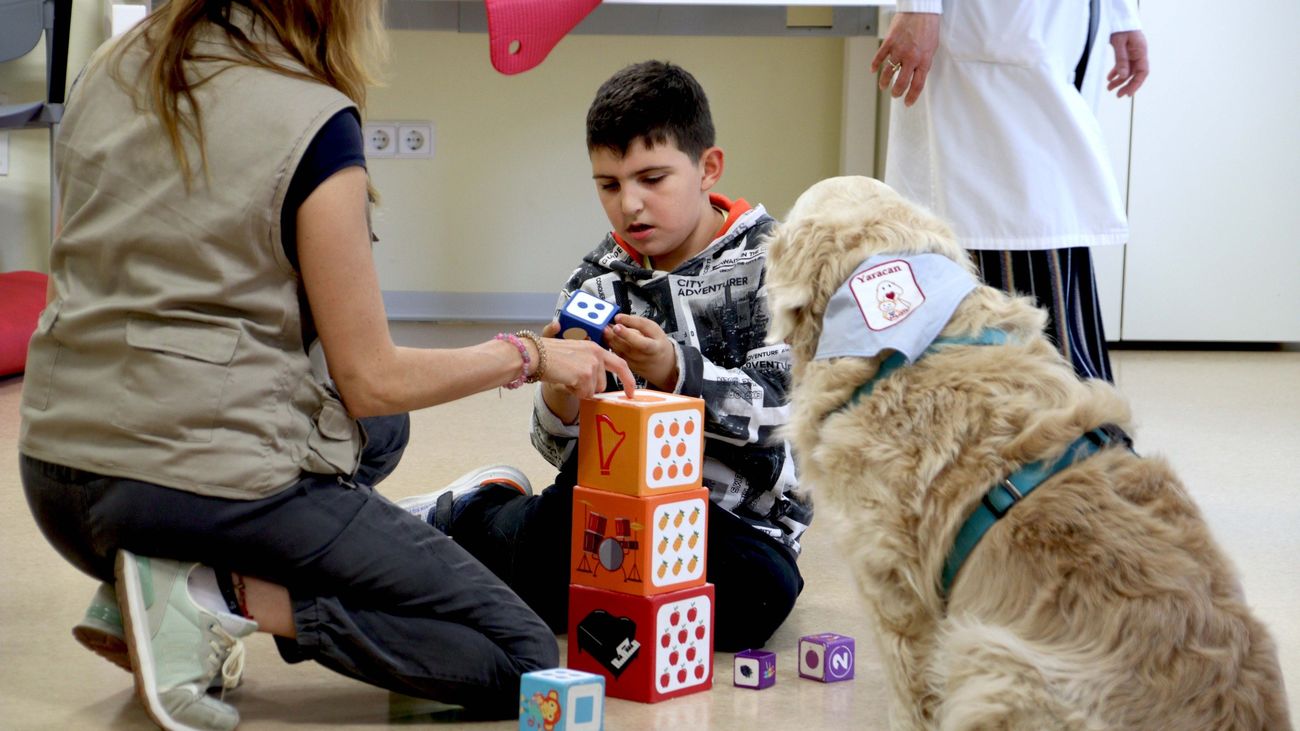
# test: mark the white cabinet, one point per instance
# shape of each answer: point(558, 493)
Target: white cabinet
point(1213, 177)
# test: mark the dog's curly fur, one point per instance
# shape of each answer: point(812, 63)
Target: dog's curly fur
point(1099, 602)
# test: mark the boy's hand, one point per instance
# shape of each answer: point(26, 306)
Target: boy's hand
point(648, 350)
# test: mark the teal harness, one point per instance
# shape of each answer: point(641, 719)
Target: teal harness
point(1004, 494)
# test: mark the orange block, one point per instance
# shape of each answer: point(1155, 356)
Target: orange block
point(634, 545)
point(650, 444)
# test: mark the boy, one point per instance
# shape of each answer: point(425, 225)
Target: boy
point(686, 269)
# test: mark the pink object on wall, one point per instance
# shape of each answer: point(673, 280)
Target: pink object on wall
point(522, 32)
point(22, 297)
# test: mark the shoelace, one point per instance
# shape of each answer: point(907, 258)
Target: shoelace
point(232, 666)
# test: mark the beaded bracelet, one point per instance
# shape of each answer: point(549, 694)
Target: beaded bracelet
point(522, 378)
point(540, 370)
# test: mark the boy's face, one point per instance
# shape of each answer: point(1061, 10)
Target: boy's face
point(657, 199)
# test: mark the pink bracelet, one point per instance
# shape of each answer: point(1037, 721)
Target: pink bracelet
point(522, 378)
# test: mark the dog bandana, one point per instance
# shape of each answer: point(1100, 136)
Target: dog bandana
point(893, 302)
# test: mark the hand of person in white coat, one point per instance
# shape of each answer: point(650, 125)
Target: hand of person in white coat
point(1131, 65)
point(907, 53)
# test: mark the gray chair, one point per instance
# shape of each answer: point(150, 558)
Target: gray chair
point(21, 24)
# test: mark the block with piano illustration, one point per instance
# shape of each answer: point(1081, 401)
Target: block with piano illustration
point(648, 648)
point(640, 610)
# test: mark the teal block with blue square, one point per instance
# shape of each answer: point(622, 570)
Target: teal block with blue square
point(561, 699)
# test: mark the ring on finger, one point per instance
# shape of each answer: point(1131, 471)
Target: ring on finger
point(893, 65)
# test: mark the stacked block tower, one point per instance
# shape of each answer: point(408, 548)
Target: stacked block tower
point(640, 611)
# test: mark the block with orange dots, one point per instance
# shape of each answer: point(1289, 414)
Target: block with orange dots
point(650, 444)
point(639, 545)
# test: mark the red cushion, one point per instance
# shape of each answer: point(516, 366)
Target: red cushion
point(22, 297)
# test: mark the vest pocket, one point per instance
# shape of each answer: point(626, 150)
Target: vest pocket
point(173, 378)
point(42, 356)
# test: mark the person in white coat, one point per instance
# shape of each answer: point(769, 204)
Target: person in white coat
point(1003, 145)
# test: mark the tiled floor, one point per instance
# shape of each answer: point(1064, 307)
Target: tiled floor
point(1230, 423)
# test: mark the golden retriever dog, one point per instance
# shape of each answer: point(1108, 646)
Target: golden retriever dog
point(1098, 601)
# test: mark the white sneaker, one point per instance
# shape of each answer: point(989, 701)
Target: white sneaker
point(177, 647)
point(422, 506)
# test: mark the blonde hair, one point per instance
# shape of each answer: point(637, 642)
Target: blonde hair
point(340, 43)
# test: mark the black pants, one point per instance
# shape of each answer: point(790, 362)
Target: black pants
point(1062, 282)
point(377, 594)
point(525, 541)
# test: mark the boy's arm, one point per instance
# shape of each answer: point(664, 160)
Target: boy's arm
point(742, 405)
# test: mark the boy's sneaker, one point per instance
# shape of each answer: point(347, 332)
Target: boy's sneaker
point(177, 647)
point(436, 507)
point(100, 631)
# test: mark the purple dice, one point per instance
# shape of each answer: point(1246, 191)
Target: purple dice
point(755, 669)
point(827, 657)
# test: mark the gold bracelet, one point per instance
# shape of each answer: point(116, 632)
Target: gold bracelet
point(540, 370)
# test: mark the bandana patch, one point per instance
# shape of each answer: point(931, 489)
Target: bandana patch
point(893, 302)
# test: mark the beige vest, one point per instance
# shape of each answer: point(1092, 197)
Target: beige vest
point(172, 352)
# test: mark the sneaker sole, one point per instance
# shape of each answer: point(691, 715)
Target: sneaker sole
point(137, 635)
point(111, 648)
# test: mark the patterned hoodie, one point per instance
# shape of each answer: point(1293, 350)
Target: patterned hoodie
point(714, 308)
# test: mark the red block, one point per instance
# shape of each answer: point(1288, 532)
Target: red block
point(640, 546)
point(648, 648)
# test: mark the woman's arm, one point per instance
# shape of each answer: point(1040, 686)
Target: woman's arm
point(376, 377)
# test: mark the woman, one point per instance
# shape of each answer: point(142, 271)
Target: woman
point(175, 439)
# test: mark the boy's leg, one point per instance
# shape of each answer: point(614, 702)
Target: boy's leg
point(756, 582)
point(524, 540)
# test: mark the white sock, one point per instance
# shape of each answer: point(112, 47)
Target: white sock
point(207, 594)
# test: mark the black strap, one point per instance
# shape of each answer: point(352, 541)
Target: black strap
point(1094, 13)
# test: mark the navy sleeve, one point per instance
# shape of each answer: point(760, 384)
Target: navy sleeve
point(336, 146)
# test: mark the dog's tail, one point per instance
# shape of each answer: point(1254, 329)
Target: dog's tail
point(989, 678)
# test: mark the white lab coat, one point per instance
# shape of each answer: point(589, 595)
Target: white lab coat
point(1000, 144)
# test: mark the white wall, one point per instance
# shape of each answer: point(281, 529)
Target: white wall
point(507, 203)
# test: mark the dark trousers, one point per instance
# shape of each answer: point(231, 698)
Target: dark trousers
point(525, 541)
point(1062, 282)
point(377, 594)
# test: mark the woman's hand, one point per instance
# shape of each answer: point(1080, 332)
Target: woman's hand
point(906, 54)
point(575, 369)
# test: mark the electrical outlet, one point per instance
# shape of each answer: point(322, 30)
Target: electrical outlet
point(379, 139)
point(415, 139)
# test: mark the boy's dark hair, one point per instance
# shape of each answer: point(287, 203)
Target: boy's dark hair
point(655, 101)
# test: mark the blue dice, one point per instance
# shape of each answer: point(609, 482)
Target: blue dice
point(755, 669)
point(585, 316)
point(561, 699)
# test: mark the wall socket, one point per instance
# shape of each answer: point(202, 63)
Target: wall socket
point(384, 139)
point(379, 139)
point(415, 139)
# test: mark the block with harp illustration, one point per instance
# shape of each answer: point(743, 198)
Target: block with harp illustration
point(650, 444)
point(639, 545)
